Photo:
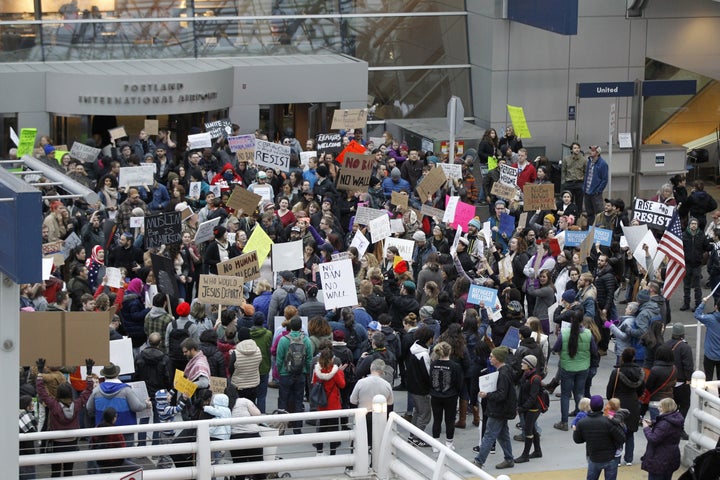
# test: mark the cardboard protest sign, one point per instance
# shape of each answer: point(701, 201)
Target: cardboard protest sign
point(52, 247)
point(41, 337)
point(221, 290)
point(84, 153)
point(272, 155)
point(121, 354)
point(338, 284)
point(218, 128)
point(603, 236)
point(260, 242)
point(574, 238)
point(163, 229)
point(243, 144)
point(137, 176)
point(183, 385)
point(655, 214)
point(405, 247)
point(165, 278)
point(152, 126)
point(432, 211)
point(379, 228)
point(199, 140)
point(503, 190)
point(349, 119)
point(523, 220)
point(117, 132)
point(287, 256)
point(355, 173)
point(328, 143)
point(244, 200)
point(587, 244)
point(360, 242)
point(478, 294)
point(205, 230)
point(508, 175)
point(519, 123)
point(218, 384)
point(363, 215)
point(539, 196)
point(27, 141)
point(399, 199)
point(430, 183)
point(452, 171)
point(245, 266)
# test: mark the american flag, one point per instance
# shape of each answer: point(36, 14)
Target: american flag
point(671, 245)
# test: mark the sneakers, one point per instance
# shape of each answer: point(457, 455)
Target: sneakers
point(477, 464)
point(561, 426)
point(321, 454)
point(420, 443)
point(519, 438)
point(492, 451)
point(476, 449)
point(505, 464)
point(685, 307)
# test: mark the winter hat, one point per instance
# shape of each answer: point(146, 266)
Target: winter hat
point(25, 401)
point(48, 148)
point(395, 173)
point(419, 236)
point(500, 203)
point(135, 286)
point(261, 174)
point(243, 334)
point(643, 296)
point(475, 222)
point(409, 286)
point(258, 318)
point(339, 336)
point(248, 310)
point(426, 312)
point(322, 171)
point(678, 330)
point(161, 395)
point(183, 310)
point(549, 217)
point(500, 354)
point(515, 307)
point(530, 361)
point(569, 295)
point(311, 290)
point(596, 403)
point(374, 325)
point(433, 159)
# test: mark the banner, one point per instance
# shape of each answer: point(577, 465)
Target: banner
point(221, 290)
point(245, 266)
point(163, 229)
point(539, 196)
point(655, 214)
point(272, 155)
point(84, 153)
point(355, 173)
point(338, 284)
point(242, 145)
point(429, 211)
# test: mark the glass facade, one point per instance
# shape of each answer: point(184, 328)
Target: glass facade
point(422, 36)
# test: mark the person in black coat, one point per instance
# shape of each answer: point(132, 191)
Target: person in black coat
point(698, 204)
point(529, 407)
point(684, 363)
point(217, 250)
point(695, 246)
point(602, 437)
point(626, 383)
point(400, 299)
point(208, 345)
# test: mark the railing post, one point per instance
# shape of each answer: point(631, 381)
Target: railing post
point(203, 457)
point(379, 421)
point(697, 382)
point(361, 466)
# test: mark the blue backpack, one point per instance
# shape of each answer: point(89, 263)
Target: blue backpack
point(291, 299)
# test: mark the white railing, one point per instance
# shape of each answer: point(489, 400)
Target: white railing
point(202, 446)
point(704, 417)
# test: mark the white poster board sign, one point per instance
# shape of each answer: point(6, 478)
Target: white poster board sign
point(199, 140)
point(121, 354)
point(137, 222)
point(450, 208)
point(397, 226)
point(405, 247)
point(114, 277)
point(452, 171)
point(136, 176)
point(273, 155)
point(265, 191)
point(360, 242)
point(379, 228)
point(83, 152)
point(205, 230)
point(508, 174)
point(140, 389)
point(488, 383)
point(287, 256)
point(338, 284)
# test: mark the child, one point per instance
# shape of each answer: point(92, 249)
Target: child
point(611, 407)
point(113, 440)
point(28, 424)
point(618, 415)
point(583, 409)
point(626, 322)
point(219, 409)
point(166, 414)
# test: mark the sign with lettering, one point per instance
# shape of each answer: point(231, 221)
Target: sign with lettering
point(199, 140)
point(503, 190)
point(273, 155)
point(379, 228)
point(452, 171)
point(245, 266)
point(356, 172)
point(405, 247)
point(117, 132)
point(539, 196)
point(517, 118)
point(84, 153)
point(244, 200)
point(432, 211)
point(349, 119)
point(136, 176)
point(243, 146)
point(163, 229)
point(183, 385)
point(508, 175)
point(221, 290)
point(218, 128)
point(218, 384)
point(338, 284)
point(605, 89)
point(328, 143)
point(260, 242)
point(27, 141)
point(603, 236)
point(657, 215)
point(365, 214)
point(205, 230)
point(399, 199)
point(360, 242)
point(575, 238)
point(430, 183)
point(478, 294)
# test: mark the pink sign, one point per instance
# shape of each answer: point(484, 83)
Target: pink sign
point(463, 214)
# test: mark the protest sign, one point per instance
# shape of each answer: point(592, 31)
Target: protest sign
point(539, 196)
point(287, 256)
point(477, 294)
point(218, 384)
point(48, 263)
point(195, 190)
point(205, 230)
point(266, 192)
point(655, 214)
point(508, 175)
point(452, 171)
point(140, 390)
point(511, 338)
point(517, 117)
point(365, 214)
point(488, 383)
point(432, 211)
point(221, 290)
point(306, 156)
point(71, 241)
point(84, 153)
point(603, 236)
point(641, 256)
point(340, 256)
point(218, 128)
point(451, 204)
point(397, 225)
point(523, 220)
point(121, 354)
point(245, 266)
point(464, 212)
point(356, 172)
point(360, 242)
point(137, 222)
point(507, 225)
point(328, 143)
point(117, 132)
point(260, 243)
point(163, 229)
point(242, 143)
point(27, 141)
point(114, 277)
point(137, 176)
point(338, 284)
point(405, 247)
point(350, 148)
point(199, 140)
point(244, 200)
point(430, 183)
point(574, 238)
point(587, 244)
point(52, 247)
point(634, 235)
point(40, 337)
point(216, 190)
point(503, 190)
point(379, 228)
point(183, 385)
point(399, 199)
point(272, 155)
point(152, 126)
point(349, 119)
point(86, 336)
point(165, 277)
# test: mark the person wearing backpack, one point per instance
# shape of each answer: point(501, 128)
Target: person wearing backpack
point(177, 331)
point(332, 378)
point(285, 295)
point(294, 363)
point(529, 408)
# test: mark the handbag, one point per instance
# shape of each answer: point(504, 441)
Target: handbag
point(647, 395)
point(318, 396)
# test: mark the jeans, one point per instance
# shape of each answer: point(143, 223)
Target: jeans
point(595, 468)
point(692, 282)
point(290, 396)
point(423, 410)
point(571, 383)
point(594, 204)
point(497, 429)
point(711, 367)
point(262, 392)
point(588, 381)
point(652, 476)
point(63, 469)
point(629, 446)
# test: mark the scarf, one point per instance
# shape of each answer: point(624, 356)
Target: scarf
point(197, 367)
point(94, 257)
point(111, 195)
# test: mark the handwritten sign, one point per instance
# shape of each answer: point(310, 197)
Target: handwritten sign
point(399, 199)
point(136, 176)
point(356, 172)
point(152, 126)
point(365, 214)
point(305, 158)
point(328, 143)
point(84, 153)
point(379, 228)
point(117, 132)
point(360, 242)
point(338, 284)
point(452, 171)
point(199, 140)
point(517, 117)
point(183, 385)
point(218, 128)
point(405, 247)
point(245, 266)
point(432, 211)
point(340, 256)
point(397, 225)
point(430, 183)
point(114, 277)
point(539, 196)
point(508, 175)
point(243, 146)
point(163, 229)
point(503, 190)
point(273, 155)
point(245, 200)
point(27, 141)
point(657, 215)
point(218, 384)
point(205, 230)
point(221, 290)
point(478, 294)
point(349, 119)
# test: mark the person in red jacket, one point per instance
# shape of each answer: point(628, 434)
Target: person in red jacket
point(226, 178)
point(526, 170)
point(333, 378)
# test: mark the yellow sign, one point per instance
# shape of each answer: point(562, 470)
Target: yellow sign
point(183, 385)
point(517, 117)
point(27, 141)
point(260, 242)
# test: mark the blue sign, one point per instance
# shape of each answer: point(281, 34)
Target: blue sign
point(656, 88)
point(477, 294)
point(559, 16)
point(605, 89)
point(507, 224)
point(511, 338)
point(603, 236)
point(575, 238)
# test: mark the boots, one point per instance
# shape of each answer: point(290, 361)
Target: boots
point(550, 387)
point(463, 414)
point(525, 455)
point(537, 453)
point(476, 415)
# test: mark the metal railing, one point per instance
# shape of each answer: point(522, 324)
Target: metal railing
point(704, 417)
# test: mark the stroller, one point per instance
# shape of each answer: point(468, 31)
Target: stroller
point(705, 467)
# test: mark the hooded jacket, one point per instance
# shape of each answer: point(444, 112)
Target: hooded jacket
point(63, 416)
point(417, 370)
point(118, 395)
point(208, 345)
point(626, 383)
point(153, 367)
point(219, 409)
point(662, 456)
point(263, 339)
point(248, 357)
point(334, 381)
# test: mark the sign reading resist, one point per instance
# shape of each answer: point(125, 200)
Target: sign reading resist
point(657, 215)
point(273, 155)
